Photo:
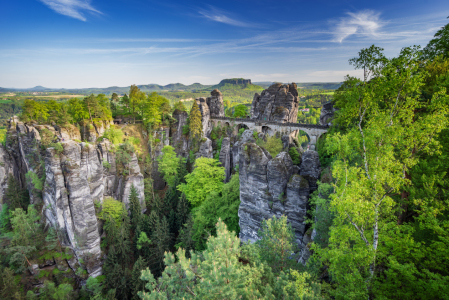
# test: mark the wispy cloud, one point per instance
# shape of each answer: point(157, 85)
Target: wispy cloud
point(365, 22)
point(218, 15)
point(71, 8)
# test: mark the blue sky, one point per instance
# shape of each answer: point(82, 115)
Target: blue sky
point(99, 43)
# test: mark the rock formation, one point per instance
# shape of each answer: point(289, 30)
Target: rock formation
point(215, 103)
point(272, 187)
point(226, 157)
point(235, 81)
point(327, 113)
point(179, 141)
point(278, 103)
point(73, 179)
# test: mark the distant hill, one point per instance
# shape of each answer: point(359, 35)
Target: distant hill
point(115, 89)
point(225, 84)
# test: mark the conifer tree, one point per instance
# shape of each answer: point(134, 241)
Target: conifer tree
point(196, 126)
point(134, 208)
point(137, 283)
point(161, 238)
point(15, 196)
point(182, 211)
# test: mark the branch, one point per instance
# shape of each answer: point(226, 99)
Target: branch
point(362, 234)
point(396, 103)
point(364, 146)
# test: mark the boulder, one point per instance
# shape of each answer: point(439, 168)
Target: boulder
point(278, 103)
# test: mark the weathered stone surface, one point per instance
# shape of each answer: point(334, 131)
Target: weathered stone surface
point(247, 137)
point(205, 149)
point(269, 187)
point(296, 205)
point(226, 157)
point(74, 179)
point(215, 103)
point(6, 170)
point(205, 116)
point(278, 103)
point(311, 168)
point(90, 132)
point(179, 141)
point(254, 193)
point(327, 113)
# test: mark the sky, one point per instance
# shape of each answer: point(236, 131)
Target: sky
point(102, 43)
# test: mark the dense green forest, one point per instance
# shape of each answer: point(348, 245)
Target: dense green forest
point(380, 214)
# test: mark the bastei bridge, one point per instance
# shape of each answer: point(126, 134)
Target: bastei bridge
point(313, 131)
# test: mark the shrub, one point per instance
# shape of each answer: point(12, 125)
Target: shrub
point(106, 164)
point(185, 129)
point(114, 135)
point(112, 208)
point(294, 154)
point(273, 145)
point(58, 147)
point(35, 180)
point(133, 140)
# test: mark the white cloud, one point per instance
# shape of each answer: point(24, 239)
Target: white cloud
point(365, 22)
point(71, 8)
point(217, 15)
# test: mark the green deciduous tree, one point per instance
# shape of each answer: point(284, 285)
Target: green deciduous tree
point(169, 164)
point(195, 123)
point(388, 129)
point(207, 177)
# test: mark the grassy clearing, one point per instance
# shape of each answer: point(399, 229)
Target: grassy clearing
point(328, 93)
point(5, 101)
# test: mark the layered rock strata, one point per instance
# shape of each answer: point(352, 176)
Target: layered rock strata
point(278, 103)
point(272, 187)
point(72, 180)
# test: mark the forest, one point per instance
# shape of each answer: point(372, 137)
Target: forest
point(379, 216)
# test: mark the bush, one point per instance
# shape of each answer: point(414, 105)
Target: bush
point(133, 140)
point(294, 154)
point(106, 164)
point(35, 180)
point(114, 135)
point(273, 145)
point(112, 208)
point(58, 147)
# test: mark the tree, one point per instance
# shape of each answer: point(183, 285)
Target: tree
point(276, 244)
point(217, 274)
point(439, 46)
point(90, 105)
point(240, 111)
point(207, 177)
point(150, 109)
point(195, 123)
point(15, 196)
point(136, 97)
point(388, 129)
point(137, 283)
point(179, 106)
point(169, 164)
point(135, 208)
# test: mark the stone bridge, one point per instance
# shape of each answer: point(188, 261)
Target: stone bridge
point(313, 131)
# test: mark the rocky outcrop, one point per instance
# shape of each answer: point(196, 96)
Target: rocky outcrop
point(179, 141)
point(71, 181)
point(235, 81)
point(90, 132)
point(311, 168)
point(6, 170)
point(205, 149)
point(278, 103)
point(327, 113)
point(226, 157)
point(272, 187)
point(215, 103)
point(205, 116)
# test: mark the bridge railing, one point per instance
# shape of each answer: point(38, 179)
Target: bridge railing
point(262, 123)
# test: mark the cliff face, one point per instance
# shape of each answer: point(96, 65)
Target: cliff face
point(278, 103)
point(71, 181)
point(274, 187)
point(327, 113)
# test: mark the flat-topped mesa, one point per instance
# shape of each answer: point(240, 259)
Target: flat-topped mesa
point(235, 81)
point(278, 103)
